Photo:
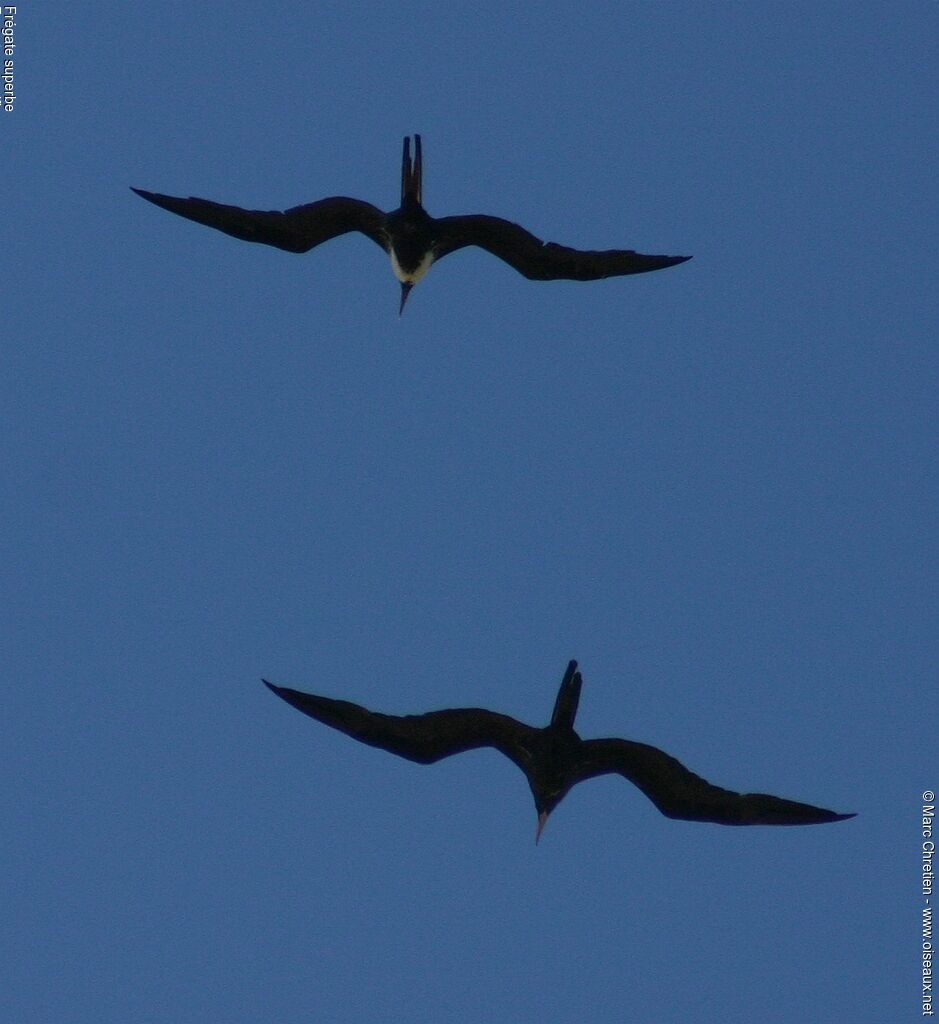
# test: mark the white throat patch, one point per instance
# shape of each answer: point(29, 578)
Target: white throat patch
point(415, 275)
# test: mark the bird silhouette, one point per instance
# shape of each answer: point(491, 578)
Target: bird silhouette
point(411, 237)
point(555, 758)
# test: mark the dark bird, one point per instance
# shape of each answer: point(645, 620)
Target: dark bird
point(555, 758)
point(411, 237)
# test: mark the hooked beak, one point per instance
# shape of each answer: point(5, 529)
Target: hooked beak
point(405, 291)
point(542, 821)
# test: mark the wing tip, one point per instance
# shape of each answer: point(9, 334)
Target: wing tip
point(810, 816)
point(151, 197)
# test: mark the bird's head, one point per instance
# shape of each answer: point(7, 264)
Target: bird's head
point(545, 802)
point(410, 261)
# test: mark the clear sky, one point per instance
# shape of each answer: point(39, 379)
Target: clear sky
point(715, 486)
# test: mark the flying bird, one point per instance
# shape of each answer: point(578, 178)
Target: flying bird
point(411, 237)
point(555, 758)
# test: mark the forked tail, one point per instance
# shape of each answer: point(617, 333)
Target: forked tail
point(411, 173)
point(565, 707)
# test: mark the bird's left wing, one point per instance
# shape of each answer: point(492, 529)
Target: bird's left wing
point(679, 793)
point(537, 260)
point(423, 738)
point(296, 230)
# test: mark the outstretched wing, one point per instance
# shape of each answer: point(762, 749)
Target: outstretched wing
point(422, 738)
point(679, 793)
point(296, 230)
point(537, 260)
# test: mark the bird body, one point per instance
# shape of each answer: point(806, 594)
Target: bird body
point(410, 235)
point(555, 758)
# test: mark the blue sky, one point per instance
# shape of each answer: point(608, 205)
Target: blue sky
point(715, 486)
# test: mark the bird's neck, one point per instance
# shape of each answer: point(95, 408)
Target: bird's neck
point(409, 272)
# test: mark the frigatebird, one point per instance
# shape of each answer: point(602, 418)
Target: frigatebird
point(411, 237)
point(555, 758)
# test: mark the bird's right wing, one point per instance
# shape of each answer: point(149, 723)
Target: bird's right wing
point(537, 260)
point(679, 793)
point(422, 738)
point(296, 230)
